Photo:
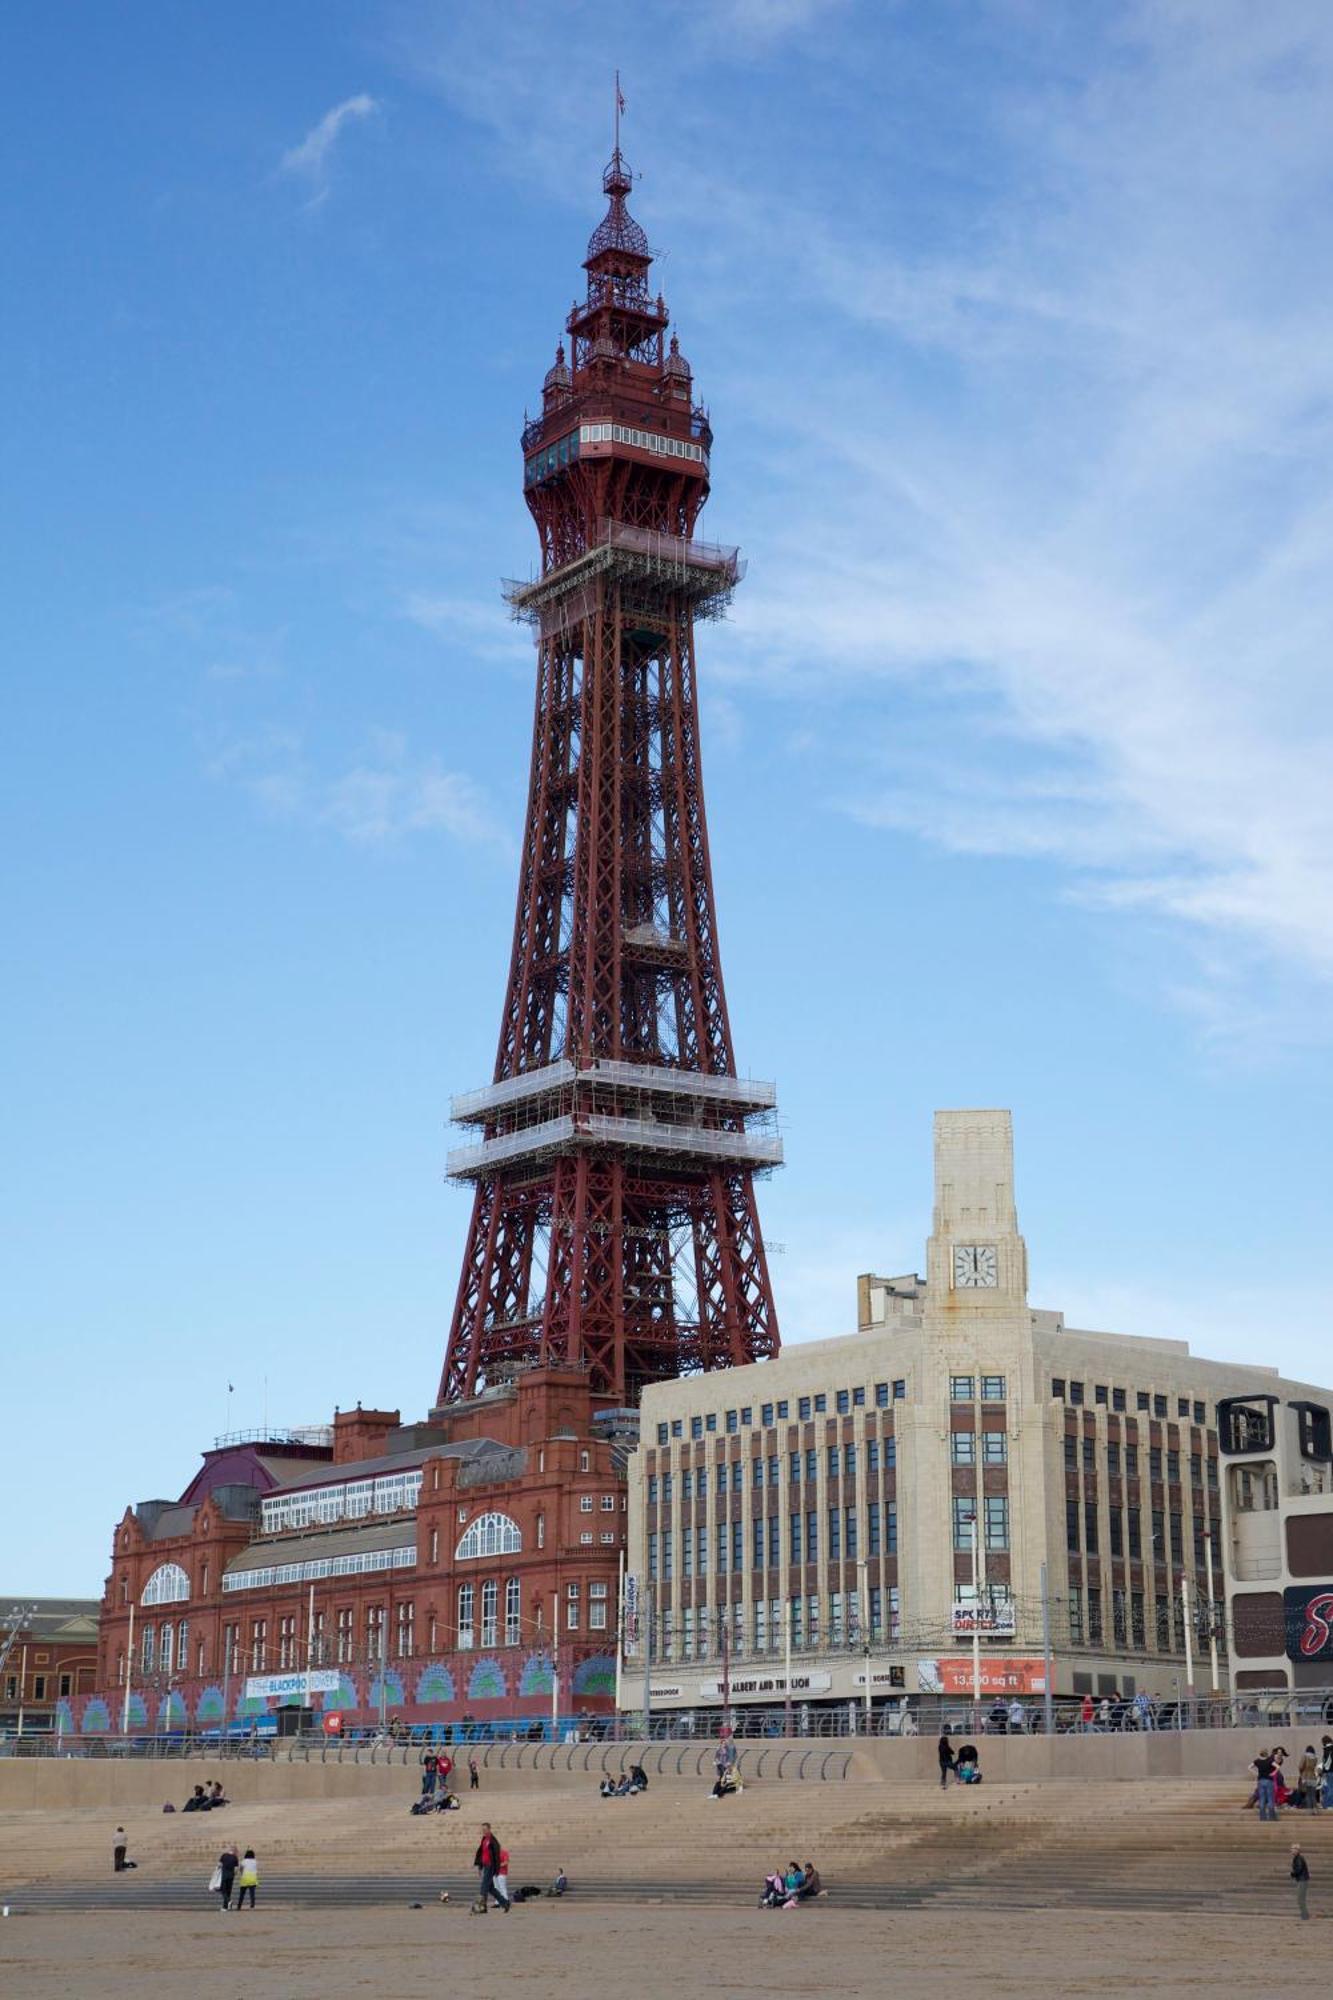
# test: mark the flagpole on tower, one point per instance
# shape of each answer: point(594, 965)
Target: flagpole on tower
point(620, 106)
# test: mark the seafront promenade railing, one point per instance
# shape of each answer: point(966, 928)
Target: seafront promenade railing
point(1308, 1709)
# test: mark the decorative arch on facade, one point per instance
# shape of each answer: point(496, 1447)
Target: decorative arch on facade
point(489, 1535)
point(167, 1585)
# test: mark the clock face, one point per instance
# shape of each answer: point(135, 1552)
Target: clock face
point(975, 1266)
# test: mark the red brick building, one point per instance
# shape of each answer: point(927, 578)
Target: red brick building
point(469, 1558)
point(49, 1649)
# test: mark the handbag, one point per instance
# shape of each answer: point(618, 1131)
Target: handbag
point(215, 1879)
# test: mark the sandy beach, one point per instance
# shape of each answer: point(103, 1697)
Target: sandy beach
point(653, 1951)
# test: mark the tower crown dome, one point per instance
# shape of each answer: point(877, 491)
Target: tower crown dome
point(618, 230)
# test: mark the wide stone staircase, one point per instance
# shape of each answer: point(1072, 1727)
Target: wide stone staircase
point(1154, 1845)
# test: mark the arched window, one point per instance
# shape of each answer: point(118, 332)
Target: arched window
point(489, 1535)
point(167, 1585)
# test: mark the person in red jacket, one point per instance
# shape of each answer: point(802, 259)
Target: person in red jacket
point(487, 1859)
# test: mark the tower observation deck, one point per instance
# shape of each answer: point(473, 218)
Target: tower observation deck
point(614, 1154)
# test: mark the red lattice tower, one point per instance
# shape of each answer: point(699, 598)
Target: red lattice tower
point(614, 1224)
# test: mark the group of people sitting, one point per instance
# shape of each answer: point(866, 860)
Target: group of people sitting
point(204, 1798)
point(627, 1786)
point(1313, 1786)
point(727, 1783)
point(433, 1802)
point(797, 1885)
point(964, 1763)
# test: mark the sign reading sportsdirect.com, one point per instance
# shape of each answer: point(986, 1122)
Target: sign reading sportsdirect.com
point(275, 1687)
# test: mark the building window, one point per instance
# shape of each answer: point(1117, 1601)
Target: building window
point(881, 1395)
point(668, 1555)
point(66, 1685)
point(766, 1415)
point(585, 1457)
point(258, 1644)
point(608, 1503)
point(812, 1536)
point(1090, 1528)
point(994, 1448)
point(1159, 1406)
point(597, 1603)
point(747, 1415)
point(872, 1529)
point(662, 1433)
point(1076, 1392)
point(900, 1391)
point(731, 1420)
point(1113, 1458)
point(585, 1503)
point(834, 1535)
point(1058, 1387)
point(992, 1388)
point(148, 1648)
point(737, 1546)
point(1071, 1524)
point(1075, 1618)
point(961, 1388)
point(997, 1520)
point(891, 1527)
point(696, 1427)
point(286, 1642)
point(833, 1461)
point(811, 1466)
point(844, 1402)
point(1094, 1617)
point(167, 1585)
point(1117, 1399)
point(803, 1408)
point(1100, 1394)
point(467, 1636)
point(1089, 1454)
point(964, 1514)
point(572, 1592)
point(821, 1405)
point(963, 1447)
point(513, 1620)
point(407, 1630)
point(493, 1535)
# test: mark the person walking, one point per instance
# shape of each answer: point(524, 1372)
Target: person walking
point(502, 1875)
point(228, 1863)
point(1085, 1713)
point(473, 1774)
point(487, 1860)
point(948, 1762)
point(120, 1848)
point(249, 1879)
point(1265, 1772)
point(429, 1767)
point(1300, 1876)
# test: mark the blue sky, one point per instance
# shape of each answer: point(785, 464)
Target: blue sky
point(1013, 321)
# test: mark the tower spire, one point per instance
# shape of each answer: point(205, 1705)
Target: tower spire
point(613, 1155)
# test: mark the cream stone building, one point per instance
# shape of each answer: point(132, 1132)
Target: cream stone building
point(865, 1501)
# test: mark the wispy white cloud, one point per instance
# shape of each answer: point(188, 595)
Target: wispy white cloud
point(384, 797)
point(311, 159)
point(1035, 449)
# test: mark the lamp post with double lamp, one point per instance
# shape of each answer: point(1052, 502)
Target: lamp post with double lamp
point(20, 1621)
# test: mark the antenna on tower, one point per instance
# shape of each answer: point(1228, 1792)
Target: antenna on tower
point(620, 106)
